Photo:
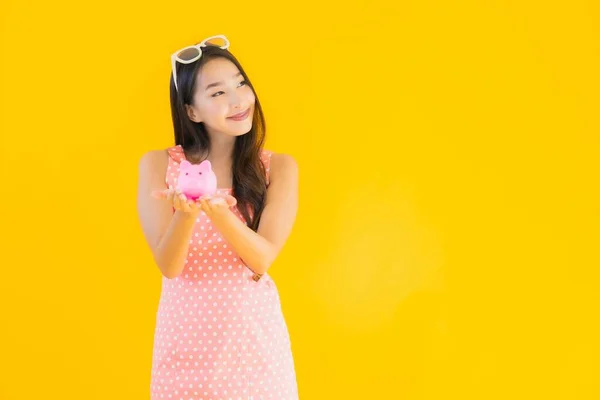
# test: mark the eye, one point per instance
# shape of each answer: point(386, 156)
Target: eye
point(187, 173)
point(242, 83)
point(199, 173)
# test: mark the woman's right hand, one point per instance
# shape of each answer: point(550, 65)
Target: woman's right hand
point(178, 200)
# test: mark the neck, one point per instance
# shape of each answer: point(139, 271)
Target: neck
point(221, 148)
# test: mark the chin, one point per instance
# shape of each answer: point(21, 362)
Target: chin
point(242, 130)
point(240, 133)
point(236, 133)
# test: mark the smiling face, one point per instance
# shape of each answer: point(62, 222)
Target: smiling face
point(221, 93)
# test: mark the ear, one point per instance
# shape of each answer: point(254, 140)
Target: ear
point(191, 114)
point(185, 164)
point(205, 165)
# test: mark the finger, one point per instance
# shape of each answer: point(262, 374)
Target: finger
point(217, 201)
point(160, 194)
point(177, 201)
point(204, 205)
point(203, 199)
point(194, 205)
point(231, 201)
point(183, 202)
point(169, 196)
point(177, 198)
point(174, 201)
point(186, 204)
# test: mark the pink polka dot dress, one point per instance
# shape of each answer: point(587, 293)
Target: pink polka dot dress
point(220, 334)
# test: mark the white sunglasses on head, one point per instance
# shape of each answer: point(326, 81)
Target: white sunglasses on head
point(189, 54)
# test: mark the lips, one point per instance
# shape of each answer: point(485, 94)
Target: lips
point(240, 116)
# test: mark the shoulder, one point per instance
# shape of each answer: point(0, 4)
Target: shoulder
point(283, 161)
point(154, 160)
point(283, 166)
point(154, 156)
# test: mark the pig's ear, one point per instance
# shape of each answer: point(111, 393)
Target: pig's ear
point(185, 164)
point(205, 165)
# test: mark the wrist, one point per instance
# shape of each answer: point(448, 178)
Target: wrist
point(185, 215)
point(223, 216)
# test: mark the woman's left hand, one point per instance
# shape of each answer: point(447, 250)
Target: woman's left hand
point(216, 205)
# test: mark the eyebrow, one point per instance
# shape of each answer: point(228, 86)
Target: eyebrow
point(220, 83)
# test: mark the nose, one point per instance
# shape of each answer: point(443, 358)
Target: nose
point(236, 101)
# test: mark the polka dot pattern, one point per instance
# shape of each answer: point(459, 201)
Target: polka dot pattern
point(219, 334)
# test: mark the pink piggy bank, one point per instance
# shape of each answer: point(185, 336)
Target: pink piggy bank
point(196, 180)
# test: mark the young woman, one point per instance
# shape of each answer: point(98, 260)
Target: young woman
point(220, 332)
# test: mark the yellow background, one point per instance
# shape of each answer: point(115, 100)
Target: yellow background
point(446, 245)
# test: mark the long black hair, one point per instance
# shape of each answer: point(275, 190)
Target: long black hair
point(249, 180)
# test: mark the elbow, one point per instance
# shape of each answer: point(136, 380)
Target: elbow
point(169, 275)
point(170, 271)
point(266, 261)
point(261, 269)
point(258, 267)
point(167, 270)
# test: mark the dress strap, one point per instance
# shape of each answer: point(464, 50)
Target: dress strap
point(176, 153)
point(266, 159)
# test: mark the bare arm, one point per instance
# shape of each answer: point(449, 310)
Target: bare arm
point(166, 233)
point(260, 249)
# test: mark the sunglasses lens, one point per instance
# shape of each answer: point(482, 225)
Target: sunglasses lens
point(220, 42)
point(188, 54)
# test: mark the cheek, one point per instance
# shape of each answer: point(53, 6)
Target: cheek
point(216, 108)
point(250, 98)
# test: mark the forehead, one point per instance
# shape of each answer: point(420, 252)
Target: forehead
point(217, 69)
